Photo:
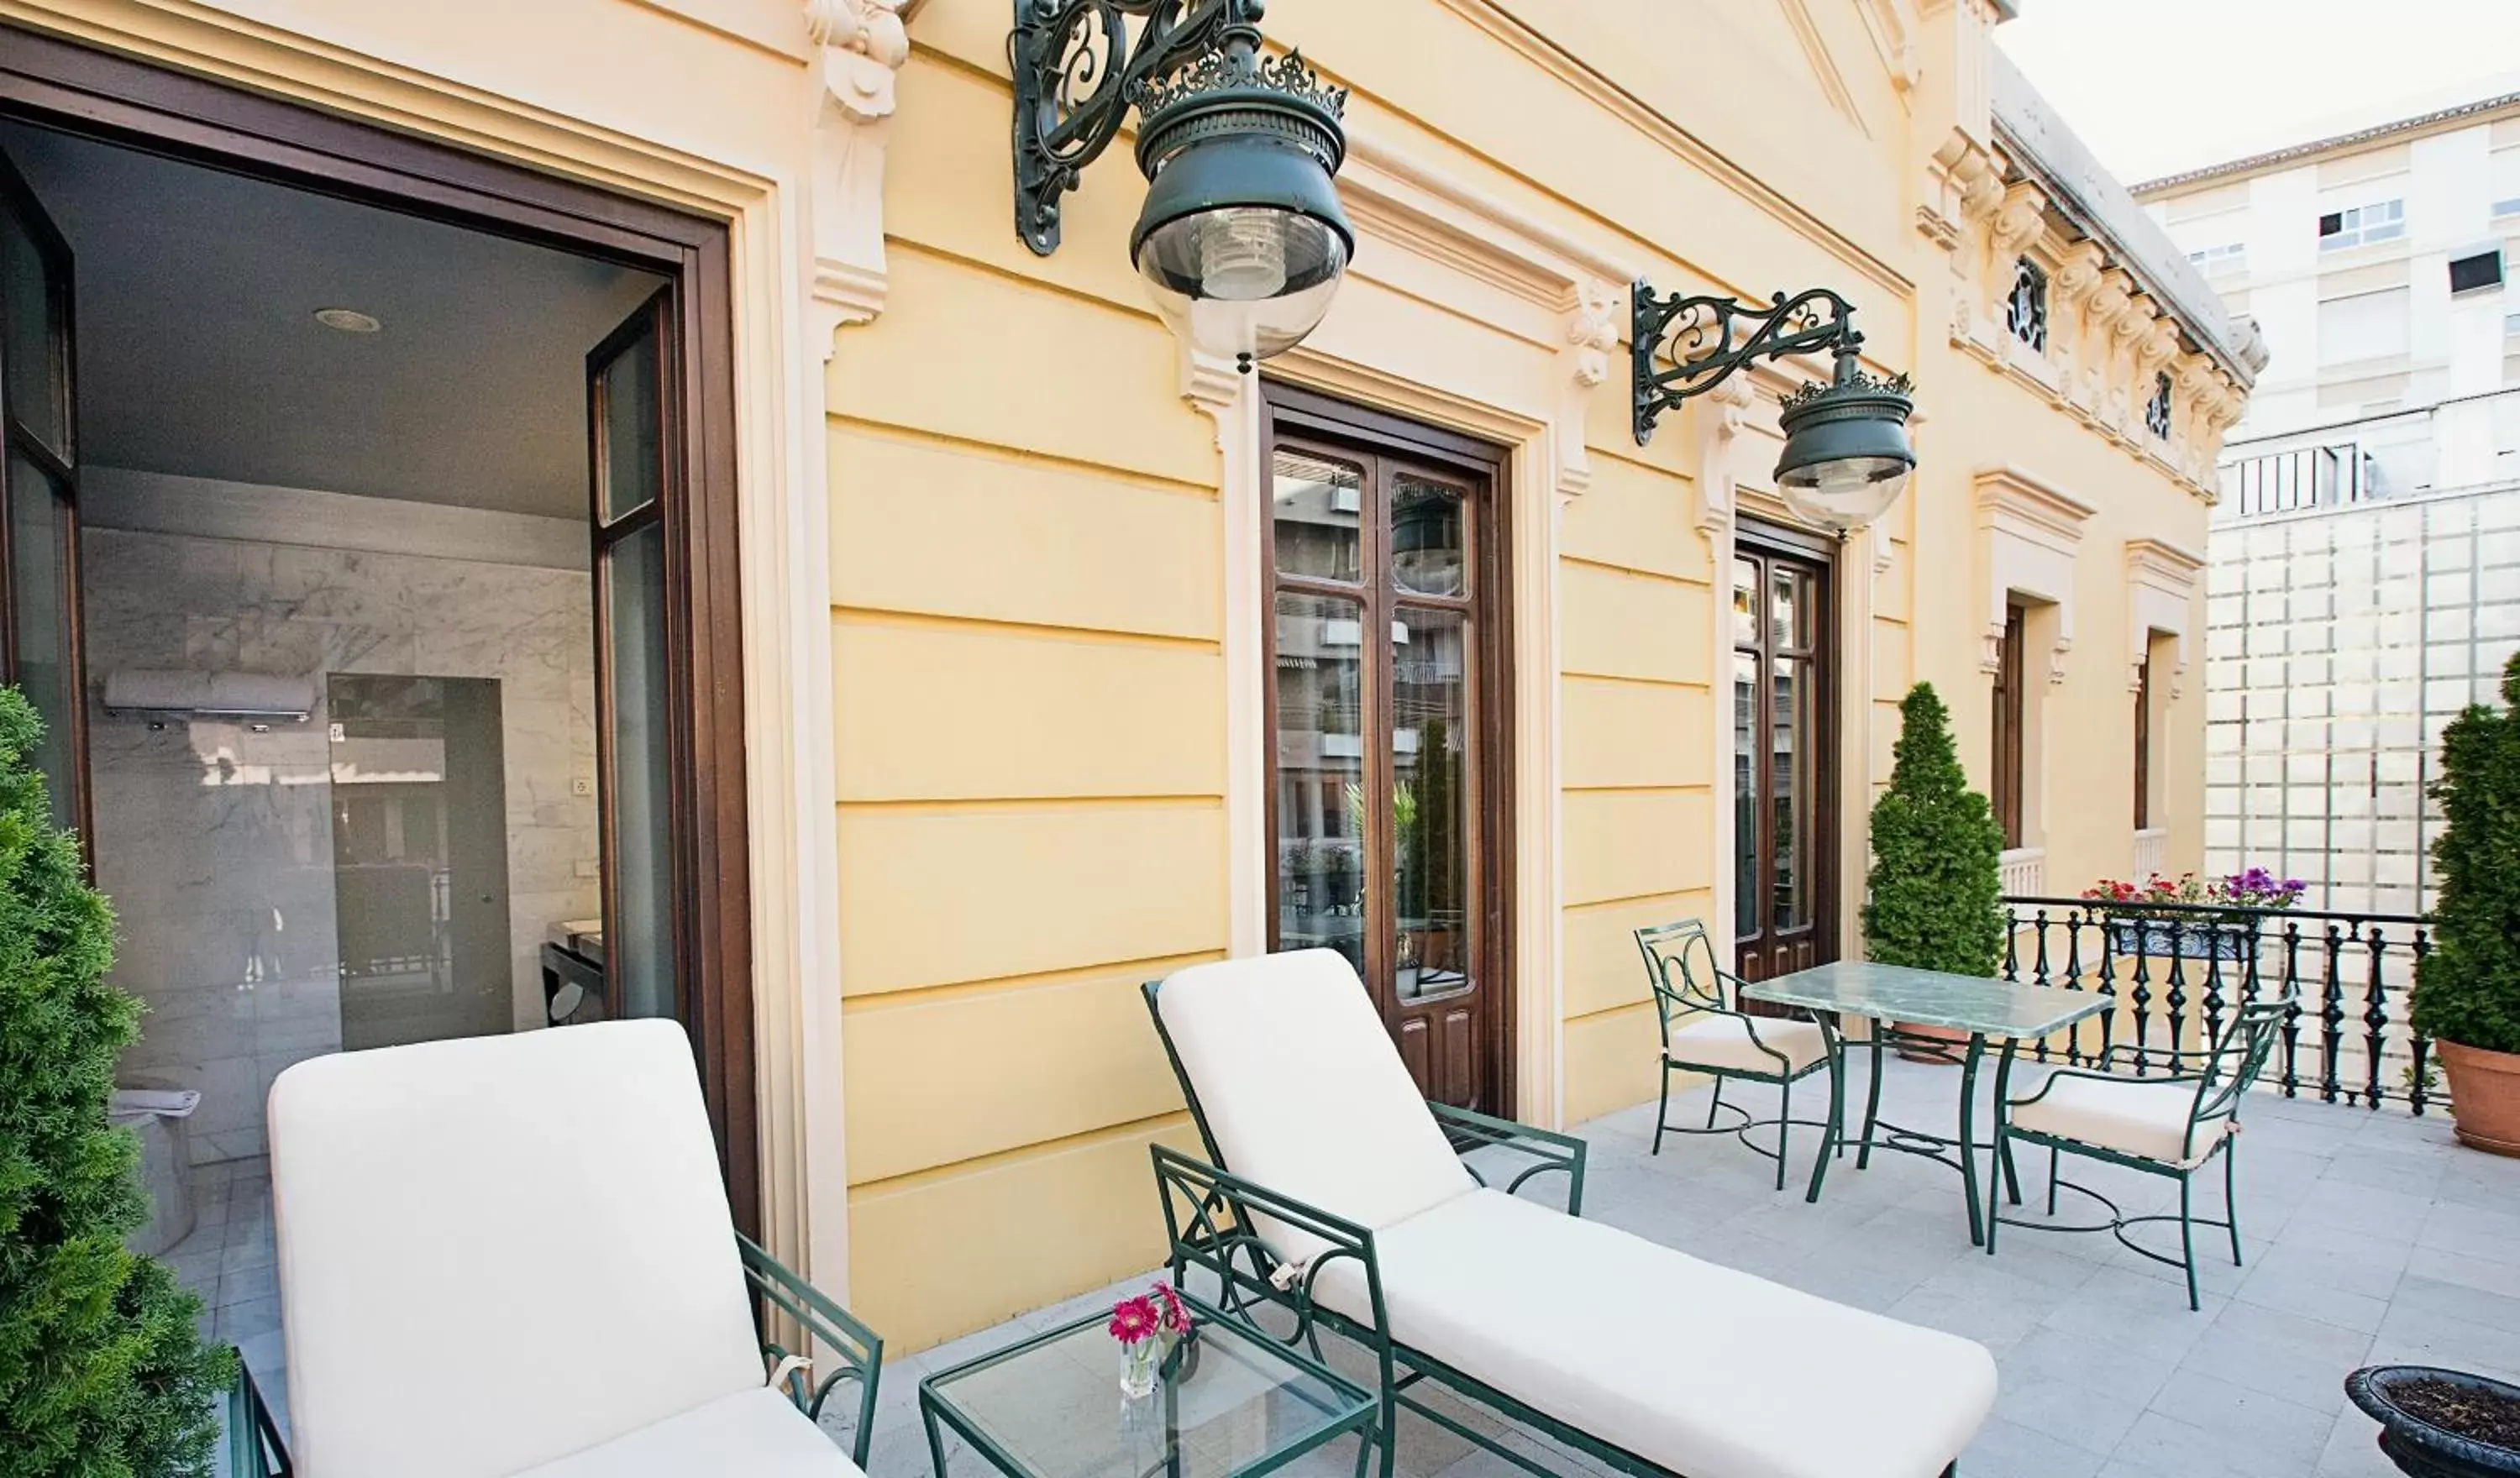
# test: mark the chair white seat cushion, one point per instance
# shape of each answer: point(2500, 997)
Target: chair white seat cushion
point(757, 1433)
point(2126, 1114)
point(1705, 1370)
point(1707, 1040)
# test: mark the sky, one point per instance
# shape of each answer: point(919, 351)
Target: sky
point(2156, 87)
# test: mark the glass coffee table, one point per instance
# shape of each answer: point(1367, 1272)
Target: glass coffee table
point(1235, 1404)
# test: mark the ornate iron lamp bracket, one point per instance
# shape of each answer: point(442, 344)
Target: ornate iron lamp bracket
point(1078, 71)
point(1707, 338)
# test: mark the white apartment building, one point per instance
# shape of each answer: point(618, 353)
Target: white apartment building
point(2364, 568)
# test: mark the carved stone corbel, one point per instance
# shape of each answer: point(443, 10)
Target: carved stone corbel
point(2015, 226)
point(1722, 413)
point(1592, 333)
point(861, 45)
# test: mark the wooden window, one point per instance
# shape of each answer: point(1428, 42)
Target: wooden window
point(2144, 745)
point(2008, 695)
point(1387, 787)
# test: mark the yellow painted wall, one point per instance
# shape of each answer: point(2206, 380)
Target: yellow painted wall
point(1026, 550)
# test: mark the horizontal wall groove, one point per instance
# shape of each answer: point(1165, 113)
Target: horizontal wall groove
point(999, 451)
point(1630, 679)
point(1634, 573)
point(1134, 312)
point(915, 1179)
point(1153, 968)
point(1642, 1002)
point(945, 804)
point(1103, 636)
point(1630, 788)
point(1673, 894)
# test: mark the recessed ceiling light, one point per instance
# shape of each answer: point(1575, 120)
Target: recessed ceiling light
point(347, 320)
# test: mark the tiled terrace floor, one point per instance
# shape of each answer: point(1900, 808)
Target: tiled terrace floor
point(2370, 1237)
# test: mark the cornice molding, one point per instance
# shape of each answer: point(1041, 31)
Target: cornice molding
point(1501, 25)
point(2003, 489)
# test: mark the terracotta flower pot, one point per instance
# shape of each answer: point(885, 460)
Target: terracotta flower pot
point(1958, 1041)
point(2484, 1096)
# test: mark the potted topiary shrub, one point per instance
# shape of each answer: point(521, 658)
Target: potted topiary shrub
point(2467, 988)
point(1934, 892)
point(101, 1367)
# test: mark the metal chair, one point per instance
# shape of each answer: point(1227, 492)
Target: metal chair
point(2170, 1126)
point(1704, 1030)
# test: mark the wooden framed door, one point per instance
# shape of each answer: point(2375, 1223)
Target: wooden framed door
point(1784, 775)
point(39, 561)
point(1388, 695)
point(61, 85)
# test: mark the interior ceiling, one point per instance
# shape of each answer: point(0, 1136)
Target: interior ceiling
point(198, 353)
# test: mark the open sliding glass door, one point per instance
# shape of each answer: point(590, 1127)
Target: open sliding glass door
point(39, 568)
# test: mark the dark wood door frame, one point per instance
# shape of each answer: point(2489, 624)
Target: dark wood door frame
point(80, 90)
point(1362, 432)
point(1756, 539)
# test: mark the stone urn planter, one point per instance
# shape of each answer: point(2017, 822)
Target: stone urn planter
point(2437, 1423)
point(2484, 1096)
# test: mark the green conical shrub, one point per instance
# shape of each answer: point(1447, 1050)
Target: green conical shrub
point(1935, 880)
point(102, 1372)
point(2467, 989)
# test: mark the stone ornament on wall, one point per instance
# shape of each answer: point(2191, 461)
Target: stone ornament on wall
point(2105, 339)
point(2028, 532)
point(860, 45)
point(2161, 588)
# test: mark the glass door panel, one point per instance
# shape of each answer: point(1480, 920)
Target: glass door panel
point(1321, 776)
point(39, 579)
point(1782, 864)
point(628, 380)
point(1430, 706)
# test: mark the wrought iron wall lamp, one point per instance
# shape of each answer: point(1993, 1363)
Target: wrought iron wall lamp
point(1846, 456)
point(1242, 241)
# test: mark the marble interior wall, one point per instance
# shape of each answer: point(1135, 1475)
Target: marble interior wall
point(215, 842)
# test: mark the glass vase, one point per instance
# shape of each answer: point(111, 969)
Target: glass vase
point(1138, 1368)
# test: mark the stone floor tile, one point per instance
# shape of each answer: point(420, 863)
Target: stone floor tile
point(2247, 1431)
point(2135, 1313)
point(2353, 1449)
point(2009, 1449)
point(2276, 1354)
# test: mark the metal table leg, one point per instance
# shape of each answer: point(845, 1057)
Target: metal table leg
point(1834, 1135)
point(1969, 1135)
point(1871, 1098)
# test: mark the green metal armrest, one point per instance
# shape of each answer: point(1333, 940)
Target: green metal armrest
point(859, 1349)
point(1552, 1151)
point(1212, 1221)
point(254, 1448)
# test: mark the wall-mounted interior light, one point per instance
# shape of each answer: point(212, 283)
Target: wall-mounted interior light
point(1846, 457)
point(1240, 240)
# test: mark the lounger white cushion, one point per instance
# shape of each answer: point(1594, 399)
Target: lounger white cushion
point(2126, 1114)
point(757, 1434)
point(1708, 1041)
point(1305, 1092)
point(1704, 1370)
point(497, 1252)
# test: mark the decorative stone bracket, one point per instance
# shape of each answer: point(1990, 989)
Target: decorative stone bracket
point(861, 45)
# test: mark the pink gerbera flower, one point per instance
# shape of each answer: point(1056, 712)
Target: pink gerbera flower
point(1134, 1320)
point(1176, 1318)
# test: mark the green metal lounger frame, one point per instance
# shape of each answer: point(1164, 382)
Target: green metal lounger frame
point(255, 1449)
point(1210, 1223)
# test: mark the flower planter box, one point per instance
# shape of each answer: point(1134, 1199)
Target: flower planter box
point(2165, 938)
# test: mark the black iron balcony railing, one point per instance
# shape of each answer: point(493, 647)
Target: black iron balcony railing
point(2179, 971)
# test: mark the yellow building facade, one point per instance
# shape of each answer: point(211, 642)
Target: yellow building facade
point(1005, 600)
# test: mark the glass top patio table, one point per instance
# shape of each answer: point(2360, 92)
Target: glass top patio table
point(2000, 1008)
point(1239, 1405)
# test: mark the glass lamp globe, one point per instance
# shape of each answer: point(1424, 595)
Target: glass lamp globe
point(1846, 457)
point(1242, 241)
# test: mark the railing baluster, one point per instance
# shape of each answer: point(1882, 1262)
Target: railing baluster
point(2213, 988)
point(2108, 988)
point(2011, 945)
point(2074, 980)
point(2039, 974)
point(2418, 1093)
point(2375, 1016)
point(2331, 1017)
point(2292, 1010)
point(2142, 995)
point(2178, 997)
